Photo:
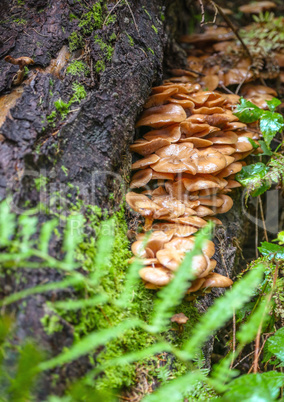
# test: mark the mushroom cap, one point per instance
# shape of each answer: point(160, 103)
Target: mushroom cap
point(162, 175)
point(202, 211)
point(156, 235)
point(142, 204)
point(257, 7)
point(221, 137)
point(195, 285)
point(207, 110)
point(211, 201)
point(144, 162)
point(197, 142)
point(179, 318)
point(227, 204)
point(210, 81)
point(233, 184)
point(159, 276)
point(141, 178)
point(208, 160)
point(175, 207)
point(211, 266)
point(176, 158)
point(224, 149)
point(213, 219)
point(215, 280)
point(160, 98)
point(163, 115)
point(191, 220)
point(171, 133)
point(175, 228)
point(243, 144)
point(233, 168)
point(200, 182)
point(144, 147)
point(170, 258)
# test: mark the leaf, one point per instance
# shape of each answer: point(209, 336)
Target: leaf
point(265, 148)
point(280, 238)
point(251, 177)
point(175, 389)
point(273, 104)
point(275, 344)
point(255, 387)
point(223, 309)
point(247, 112)
point(272, 250)
point(270, 125)
point(89, 343)
point(253, 143)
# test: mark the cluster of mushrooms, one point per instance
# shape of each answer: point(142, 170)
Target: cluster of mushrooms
point(189, 156)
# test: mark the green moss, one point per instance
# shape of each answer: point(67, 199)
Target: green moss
point(99, 66)
point(78, 67)
point(131, 41)
point(75, 41)
point(79, 92)
point(105, 48)
point(155, 29)
point(51, 324)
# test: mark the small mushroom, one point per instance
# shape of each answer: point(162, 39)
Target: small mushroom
point(170, 133)
point(141, 178)
point(20, 61)
point(180, 319)
point(215, 280)
point(257, 7)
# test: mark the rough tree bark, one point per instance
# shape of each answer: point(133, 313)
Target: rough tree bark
point(95, 137)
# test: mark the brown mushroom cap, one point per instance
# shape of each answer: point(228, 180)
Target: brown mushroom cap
point(208, 160)
point(227, 204)
point(177, 229)
point(179, 318)
point(211, 266)
point(175, 207)
point(170, 258)
point(142, 204)
point(200, 182)
point(195, 285)
point(221, 137)
point(215, 280)
point(243, 144)
point(160, 98)
point(144, 147)
point(157, 276)
point(257, 7)
point(175, 158)
point(164, 115)
point(144, 162)
point(197, 142)
point(211, 201)
point(141, 178)
point(191, 220)
point(233, 168)
point(171, 133)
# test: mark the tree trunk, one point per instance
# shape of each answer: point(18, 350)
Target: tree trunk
point(89, 147)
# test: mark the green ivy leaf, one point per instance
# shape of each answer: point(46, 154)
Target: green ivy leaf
point(270, 124)
point(272, 250)
point(247, 112)
point(273, 104)
point(275, 344)
point(280, 238)
point(265, 148)
point(255, 387)
point(252, 177)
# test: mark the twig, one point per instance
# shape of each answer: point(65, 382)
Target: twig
point(136, 26)
point(45, 36)
point(242, 82)
point(262, 218)
point(239, 362)
point(229, 23)
point(226, 89)
point(202, 12)
point(113, 8)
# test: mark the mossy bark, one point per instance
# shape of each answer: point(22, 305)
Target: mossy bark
point(89, 148)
